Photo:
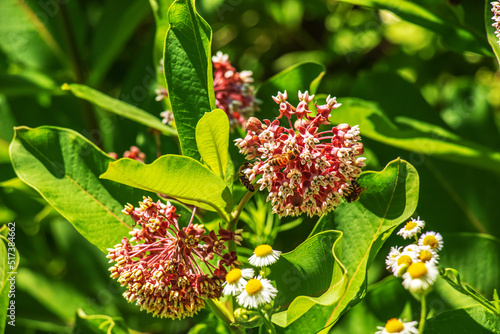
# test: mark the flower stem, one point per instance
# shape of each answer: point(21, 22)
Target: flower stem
point(268, 323)
point(423, 312)
point(235, 215)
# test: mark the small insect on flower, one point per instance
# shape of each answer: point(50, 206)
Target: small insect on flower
point(285, 158)
point(264, 255)
point(352, 192)
point(244, 178)
point(397, 326)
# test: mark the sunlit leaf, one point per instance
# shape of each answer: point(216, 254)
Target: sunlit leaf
point(212, 138)
point(180, 177)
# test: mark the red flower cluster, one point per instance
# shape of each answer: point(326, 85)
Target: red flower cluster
point(233, 92)
point(134, 153)
point(161, 263)
point(304, 170)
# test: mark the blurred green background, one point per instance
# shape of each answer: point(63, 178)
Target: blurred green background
point(410, 71)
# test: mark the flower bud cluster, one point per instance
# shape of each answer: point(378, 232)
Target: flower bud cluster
point(234, 92)
point(496, 17)
point(161, 265)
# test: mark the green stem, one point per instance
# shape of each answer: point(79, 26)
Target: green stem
point(268, 323)
point(423, 313)
point(235, 216)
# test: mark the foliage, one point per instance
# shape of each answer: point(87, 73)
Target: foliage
point(78, 80)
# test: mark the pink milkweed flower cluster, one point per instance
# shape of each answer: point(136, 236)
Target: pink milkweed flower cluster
point(496, 17)
point(161, 264)
point(325, 162)
point(233, 91)
point(133, 153)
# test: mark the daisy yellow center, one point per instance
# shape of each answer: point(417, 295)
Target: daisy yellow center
point(410, 226)
point(431, 241)
point(404, 259)
point(263, 250)
point(417, 270)
point(253, 286)
point(394, 326)
point(425, 256)
point(233, 276)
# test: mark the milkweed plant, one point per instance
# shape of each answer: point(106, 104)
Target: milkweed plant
point(271, 206)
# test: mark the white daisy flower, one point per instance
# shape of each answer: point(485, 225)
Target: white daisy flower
point(402, 262)
point(264, 255)
point(419, 277)
point(397, 326)
point(412, 228)
point(258, 291)
point(427, 254)
point(412, 250)
point(235, 281)
point(432, 239)
point(392, 257)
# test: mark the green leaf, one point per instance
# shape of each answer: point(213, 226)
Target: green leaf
point(99, 323)
point(466, 320)
point(119, 107)
point(64, 168)
point(180, 177)
point(116, 26)
point(390, 198)
point(58, 296)
point(452, 34)
point(461, 251)
point(188, 70)
point(305, 76)
point(490, 30)
point(19, 85)
point(212, 138)
point(303, 283)
point(25, 36)
point(414, 135)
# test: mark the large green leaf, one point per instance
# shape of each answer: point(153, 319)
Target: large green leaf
point(64, 168)
point(453, 35)
point(212, 138)
point(119, 107)
point(305, 76)
point(467, 320)
point(390, 198)
point(188, 70)
point(414, 135)
point(303, 283)
point(115, 28)
point(490, 30)
point(180, 177)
